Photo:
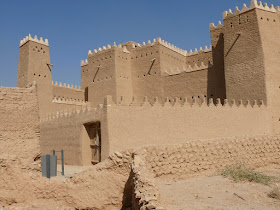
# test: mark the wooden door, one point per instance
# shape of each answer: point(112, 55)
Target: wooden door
point(94, 132)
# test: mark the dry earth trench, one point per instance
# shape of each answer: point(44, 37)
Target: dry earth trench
point(183, 176)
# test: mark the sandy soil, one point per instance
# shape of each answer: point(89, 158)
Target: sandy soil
point(217, 192)
point(98, 187)
point(69, 171)
point(39, 204)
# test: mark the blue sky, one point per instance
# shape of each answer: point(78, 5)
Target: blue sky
point(73, 27)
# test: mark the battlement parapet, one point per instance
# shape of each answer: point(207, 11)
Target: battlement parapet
point(254, 5)
point(84, 62)
point(171, 47)
point(35, 39)
point(82, 110)
point(135, 46)
point(59, 84)
point(30, 88)
point(109, 47)
point(150, 43)
point(103, 49)
point(184, 102)
point(201, 50)
point(171, 72)
point(68, 101)
point(213, 27)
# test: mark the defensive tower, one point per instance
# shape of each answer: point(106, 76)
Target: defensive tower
point(34, 65)
point(251, 54)
point(106, 72)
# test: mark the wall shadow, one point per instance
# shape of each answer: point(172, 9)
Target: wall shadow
point(128, 193)
point(216, 86)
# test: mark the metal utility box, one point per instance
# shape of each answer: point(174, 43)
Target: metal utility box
point(49, 165)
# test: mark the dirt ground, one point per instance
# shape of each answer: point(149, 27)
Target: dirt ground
point(96, 187)
point(69, 171)
point(109, 186)
point(217, 192)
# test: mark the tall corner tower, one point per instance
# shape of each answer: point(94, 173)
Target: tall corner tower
point(34, 65)
point(269, 29)
point(251, 55)
point(216, 77)
point(243, 54)
point(107, 71)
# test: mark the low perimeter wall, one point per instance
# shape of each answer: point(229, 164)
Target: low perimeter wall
point(19, 123)
point(136, 125)
point(65, 130)
point(124, 126)
point(180, 161)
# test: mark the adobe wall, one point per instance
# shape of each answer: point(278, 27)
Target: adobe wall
point(23, 76)
point(123, 73)
point(33, 57)
point(244, 57)
point(212, 155)
point(269, 26)
point(86, 75)
point(59, 105)
point(216, 77)
point(193, 83)
point(160, 69)
point(156, 69)
point(146, 71)
point(68, 92)
point(65, 130)
point(101, 69)
point(34, 65)
point(175, 123)
point(19, 123)
point(171, 59)
point(184, 75)
point(156, 124)
point(179, 161)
